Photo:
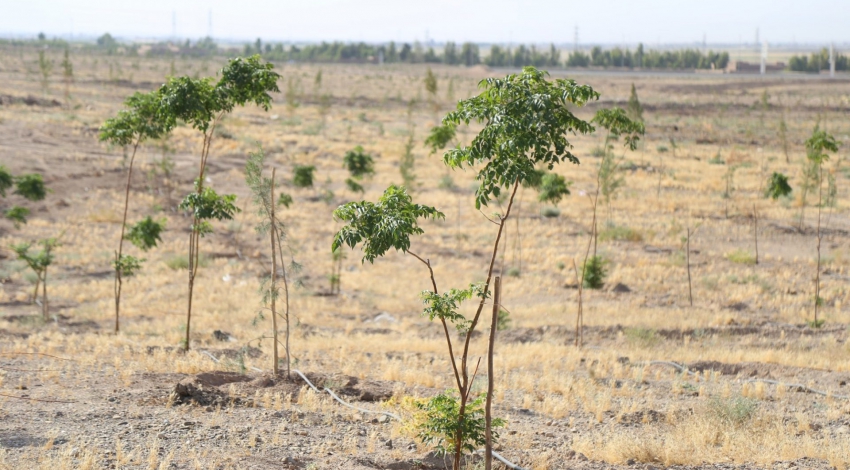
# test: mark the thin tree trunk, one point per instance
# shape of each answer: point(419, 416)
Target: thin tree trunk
point(688, 262)
point(118, 273)
point(580, 281)
point(488, 434)
point(37, 285)
point(817, 274)
point(44, 301)
point(273, 291)
point(756, 231)
point(465, 388)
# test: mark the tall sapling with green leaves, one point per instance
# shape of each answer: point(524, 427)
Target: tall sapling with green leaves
point(526, 121)
point(144, 119)
point(38, 262)
point(816, 147)
point(202, 104)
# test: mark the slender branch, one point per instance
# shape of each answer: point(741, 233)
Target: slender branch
point(427, 263)
point(486, 283)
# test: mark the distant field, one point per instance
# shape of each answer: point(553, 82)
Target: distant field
point(711, 143)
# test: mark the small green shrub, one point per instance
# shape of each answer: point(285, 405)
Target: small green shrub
point(741, 257)
point(735, 411)
point(716, 160)
point(441, 424)
point(550, 212)
point(777, 186)
point(513, 272)
point(594, 272)
point(643, 337)
point(446, 182)
point(621, 233)
point(302, 176)
point(179, 262)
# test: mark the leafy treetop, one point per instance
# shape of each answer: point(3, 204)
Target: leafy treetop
point(387, 224)
point(359, 163)
point(818, 144)
point(526, 121)
point(617, 123)
point(197, 101)
point(144, 119)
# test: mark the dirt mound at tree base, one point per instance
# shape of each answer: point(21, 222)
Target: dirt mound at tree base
point(219, 388)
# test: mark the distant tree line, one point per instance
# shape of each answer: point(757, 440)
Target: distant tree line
point(817, 61)
point(679, 59)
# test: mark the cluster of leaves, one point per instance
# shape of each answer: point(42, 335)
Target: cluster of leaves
point(777, 186)
point(445, 306)
point(146, 233)
point(594, 272)
point(527, 123)
point(361, 165)
point(38, 261)
point(30, 186)
point(209, 205)
point(617, 122)
point(442, 423)
point(302, 176)
point(127, 265)
point(387, 224)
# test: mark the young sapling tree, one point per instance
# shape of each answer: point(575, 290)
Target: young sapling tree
point(38, 262)
point(263, 193)
point(30, 186)
point(816, 147)
point(202, 104)
point(67, 75)
point(526, 121)
point(360, 165)
point(144, 119)
point(45, 66)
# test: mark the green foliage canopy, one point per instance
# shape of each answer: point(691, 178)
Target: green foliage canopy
point(387, 224)
point(526, 122)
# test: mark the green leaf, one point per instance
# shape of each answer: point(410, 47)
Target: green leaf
point(245, 80)
point(146, 233)
point(617, 123)
point(6, 180)
point(387, 224)
point(31, 187)
point(284, 200)
point(303, 176)
point(777, 186)
point(553, 187)
point(128, 265)
point(818, 144)
point(359, 163)
point(208, 205)
point(145, 118)
point(18, 215)
point(354, 186)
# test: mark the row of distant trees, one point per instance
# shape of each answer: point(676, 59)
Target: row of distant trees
point(467, 54)
point(817, 61)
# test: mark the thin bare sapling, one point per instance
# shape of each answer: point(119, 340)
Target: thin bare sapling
point(263, 196)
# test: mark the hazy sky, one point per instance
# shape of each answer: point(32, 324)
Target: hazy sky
point(541, 21)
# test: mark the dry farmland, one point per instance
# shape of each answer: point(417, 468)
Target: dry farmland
point(760, 387)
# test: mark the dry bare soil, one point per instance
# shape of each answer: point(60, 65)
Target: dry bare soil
point(743, 392)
